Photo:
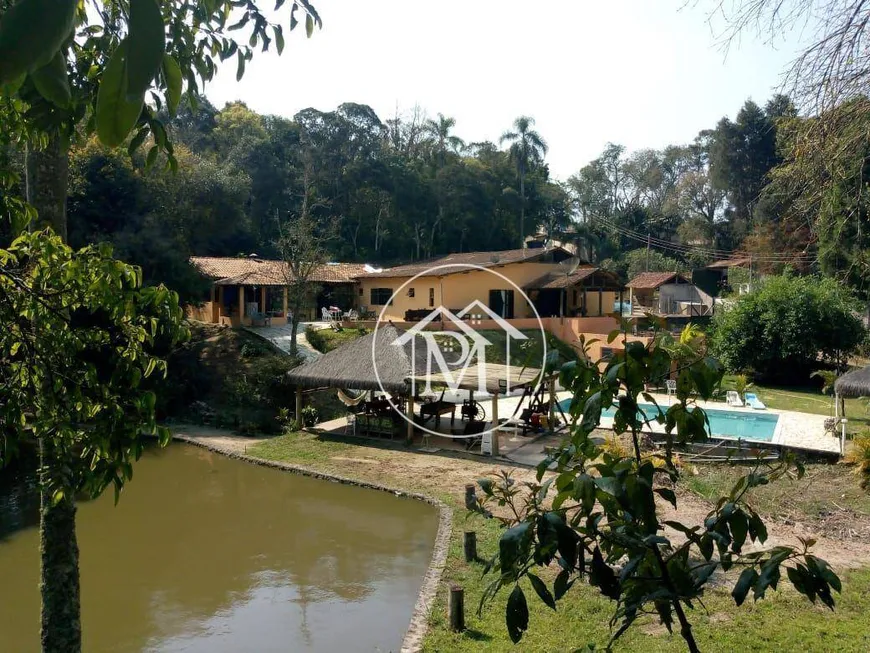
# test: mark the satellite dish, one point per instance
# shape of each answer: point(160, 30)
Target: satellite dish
point(569, 265)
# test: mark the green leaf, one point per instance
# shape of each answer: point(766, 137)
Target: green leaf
point(52, 82)
point(542, 591)
point(279, 38)
point(150, 160)
point(137, 140)
point(602, 576)
point(739, 525)
point(668, 495)
point(147, 42)
point(116, 116)
point(172, 72)
point(31, 33)
point(240, 71)
point(513, 546)
point(744, 583)
point(562, 584)
point(309, 25)
point(757, 529)
point(517, 614)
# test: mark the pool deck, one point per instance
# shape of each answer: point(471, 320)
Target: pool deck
point(801, 431)
point(805, 431)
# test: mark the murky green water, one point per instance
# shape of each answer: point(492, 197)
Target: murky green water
point(204, 553)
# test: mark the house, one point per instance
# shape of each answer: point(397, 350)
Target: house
point(551, 277)
point(668, 294)
point(731, 274)
point(244, 286)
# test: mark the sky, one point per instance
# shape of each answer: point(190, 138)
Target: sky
point(641, 73)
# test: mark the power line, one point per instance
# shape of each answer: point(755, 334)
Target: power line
point(693, 249)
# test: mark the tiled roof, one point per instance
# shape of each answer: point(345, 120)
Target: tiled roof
point(461, 261)
point(729, 263)
point(651, 280)
point(555, 280)
point(262, 272)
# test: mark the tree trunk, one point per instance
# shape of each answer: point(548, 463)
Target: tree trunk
point(61, 630)
point(522, 209)
point(47, 173)
point(294, 327)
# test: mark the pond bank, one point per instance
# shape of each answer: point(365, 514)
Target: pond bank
point(444, 475)
point(237, 447)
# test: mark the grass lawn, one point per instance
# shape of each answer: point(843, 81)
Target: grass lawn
point(809, 400)
point(325, 340)
point(783, 622)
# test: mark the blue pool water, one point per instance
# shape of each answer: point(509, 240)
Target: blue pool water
point(723, 423)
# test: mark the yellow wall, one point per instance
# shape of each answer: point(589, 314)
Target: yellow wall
point(459, 289)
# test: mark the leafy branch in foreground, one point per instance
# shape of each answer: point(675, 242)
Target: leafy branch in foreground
point(597, 516)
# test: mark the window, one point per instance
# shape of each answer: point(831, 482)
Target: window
point(360, 292)
point(431, 297)
point(381, 296)
point(410, 292)
point(502, 303)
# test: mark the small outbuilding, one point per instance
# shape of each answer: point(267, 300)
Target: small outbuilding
point(668, 294)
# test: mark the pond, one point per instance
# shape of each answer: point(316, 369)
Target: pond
point(206, 553)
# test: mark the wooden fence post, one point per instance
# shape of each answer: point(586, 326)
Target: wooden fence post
point(470, 544)
point(456, 609)
point(470, 497)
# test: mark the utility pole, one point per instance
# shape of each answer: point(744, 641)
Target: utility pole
point(647, 250)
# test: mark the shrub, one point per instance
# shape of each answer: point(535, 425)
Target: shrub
point(310, 416)
point(860, 456)
point(782, 329)
point(316, 339)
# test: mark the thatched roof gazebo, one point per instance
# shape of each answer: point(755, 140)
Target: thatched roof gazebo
point(402, 369)
point(854, 384)
point(351, 365)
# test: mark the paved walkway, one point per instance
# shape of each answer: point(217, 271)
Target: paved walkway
point(281, 336)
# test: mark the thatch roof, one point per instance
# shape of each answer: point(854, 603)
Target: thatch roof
point(351, 366)
point(854, 384)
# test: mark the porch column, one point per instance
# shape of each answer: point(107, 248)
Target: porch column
point(286, 317)
point(495, 424)
point(263, 299)
point(600, 301)
point(241, 304)
point(409, 411)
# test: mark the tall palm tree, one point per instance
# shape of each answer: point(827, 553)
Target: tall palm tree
point(527, 149)
point(440, 131)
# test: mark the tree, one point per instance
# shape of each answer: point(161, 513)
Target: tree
point(439, 131)
point(80, 346)
point(303, 247)
point(62, 68)
point(782, 328)
point(597, 518)
point(527, 150)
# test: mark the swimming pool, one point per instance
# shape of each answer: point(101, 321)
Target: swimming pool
point(723, 423)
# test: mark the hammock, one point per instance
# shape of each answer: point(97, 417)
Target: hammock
point(347, 400)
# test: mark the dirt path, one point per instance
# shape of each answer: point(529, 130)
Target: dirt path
point(447, 474)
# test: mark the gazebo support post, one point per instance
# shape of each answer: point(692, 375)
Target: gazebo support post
point(495, 424)
point(410, 415)
point(298, 392)
point(551, 418)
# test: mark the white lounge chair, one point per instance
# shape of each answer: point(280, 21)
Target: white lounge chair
point(754, 401)
point(732, 398)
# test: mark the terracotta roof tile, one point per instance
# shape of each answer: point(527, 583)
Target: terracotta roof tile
point(263, 272)
point(557, 280)
point(479, 259)
point(651, 280)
